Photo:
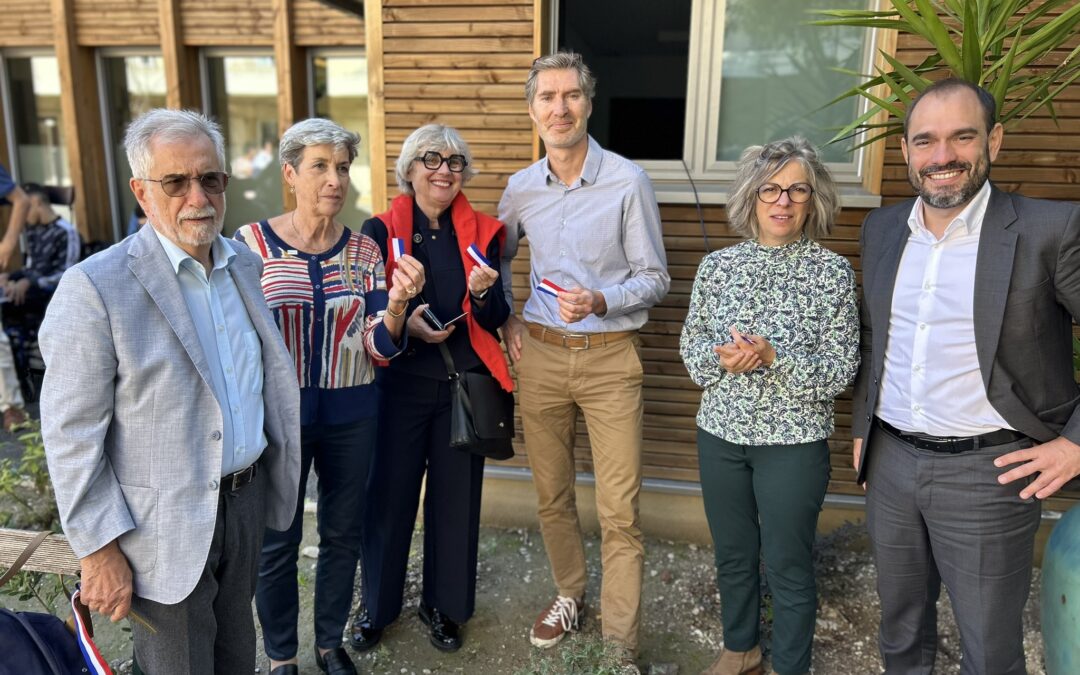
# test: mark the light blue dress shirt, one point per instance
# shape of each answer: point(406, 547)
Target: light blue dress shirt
point(232, 347)
point(602, 233)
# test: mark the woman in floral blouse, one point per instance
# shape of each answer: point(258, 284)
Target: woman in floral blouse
point(772, 336)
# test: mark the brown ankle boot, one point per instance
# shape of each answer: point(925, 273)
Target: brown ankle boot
point(736, 663)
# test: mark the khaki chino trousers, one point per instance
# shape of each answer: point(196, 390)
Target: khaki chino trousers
point(604, 382)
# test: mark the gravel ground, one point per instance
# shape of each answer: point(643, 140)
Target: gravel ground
point(680, 632)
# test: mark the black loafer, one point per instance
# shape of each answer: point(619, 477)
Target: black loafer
point(336, 662)
point(287, 669)
point(363, 636)
point(445, 634)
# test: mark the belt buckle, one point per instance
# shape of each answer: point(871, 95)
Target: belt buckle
point(241, 478)
point(572, 335)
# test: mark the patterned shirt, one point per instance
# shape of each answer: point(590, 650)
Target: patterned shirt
point(602, 233)
point(329, 308)
point(50, 250)
point(800, 296)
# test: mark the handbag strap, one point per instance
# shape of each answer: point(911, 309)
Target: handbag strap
point(24, 556)
point(448, 361)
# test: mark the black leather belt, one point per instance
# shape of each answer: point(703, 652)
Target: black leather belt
point(236, 480)
point(952, 445)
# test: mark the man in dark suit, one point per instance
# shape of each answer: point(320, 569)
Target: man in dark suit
point(966, 411)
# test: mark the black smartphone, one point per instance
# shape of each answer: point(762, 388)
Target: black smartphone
point(432, 320)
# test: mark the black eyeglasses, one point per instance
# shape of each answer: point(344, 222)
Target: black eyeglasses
point(433, 160)
point(798, 193)
point(177, 185)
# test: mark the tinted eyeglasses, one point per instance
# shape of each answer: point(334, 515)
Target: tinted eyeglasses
point(798, 193)
point(177, 185)
point(433, 160)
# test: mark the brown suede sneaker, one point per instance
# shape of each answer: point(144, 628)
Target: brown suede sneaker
point(562, 617)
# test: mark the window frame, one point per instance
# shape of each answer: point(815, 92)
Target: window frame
point(106, 127)
point(11, 162)
point(327, 52)
point(697, 175)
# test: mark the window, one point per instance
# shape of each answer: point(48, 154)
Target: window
point(685, 85)
point(130, 85)
point(340, 93)
point(35, 128)
point(241, 95)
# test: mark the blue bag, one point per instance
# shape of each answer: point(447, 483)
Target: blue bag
point(32, 643)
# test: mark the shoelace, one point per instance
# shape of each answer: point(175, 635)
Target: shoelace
point(564, 612)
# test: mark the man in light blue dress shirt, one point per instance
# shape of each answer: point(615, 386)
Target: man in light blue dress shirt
point(170, 412)
point(597, 265)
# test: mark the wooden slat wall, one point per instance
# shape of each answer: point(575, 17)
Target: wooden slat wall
point(227, 23)
point(318, 25)
point(111, 23)
point(480, 93)
point(26, 23)
point(462, 63)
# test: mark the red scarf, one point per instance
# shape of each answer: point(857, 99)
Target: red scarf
point(471, 227)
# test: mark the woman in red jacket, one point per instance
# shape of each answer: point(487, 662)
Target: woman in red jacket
point(432, 221)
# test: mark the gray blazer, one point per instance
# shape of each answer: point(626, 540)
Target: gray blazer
point(1027, 293)
point(131, 426)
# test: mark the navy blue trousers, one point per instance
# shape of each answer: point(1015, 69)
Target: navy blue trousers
point(342, 457)
point(414, 435)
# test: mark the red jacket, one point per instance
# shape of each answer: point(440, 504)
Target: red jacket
point(471, 227)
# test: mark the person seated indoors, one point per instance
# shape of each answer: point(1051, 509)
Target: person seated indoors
point(52, 246)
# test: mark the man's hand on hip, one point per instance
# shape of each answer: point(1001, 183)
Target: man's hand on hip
point(512, 332)
point(1057, 462)
point(578, 303)
point(106, 582)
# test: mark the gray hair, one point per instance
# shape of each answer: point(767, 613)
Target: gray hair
point(759, 163)
point(560, 61)
point(315, 131)
point(167, 126)
point(437, 137)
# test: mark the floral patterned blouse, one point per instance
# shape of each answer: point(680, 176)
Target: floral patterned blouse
point(800, 296)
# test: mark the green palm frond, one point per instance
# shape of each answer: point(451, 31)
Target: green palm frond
point(1003, 45)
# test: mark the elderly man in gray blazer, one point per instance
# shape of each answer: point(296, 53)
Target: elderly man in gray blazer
point(966, 411)
point(170, 412)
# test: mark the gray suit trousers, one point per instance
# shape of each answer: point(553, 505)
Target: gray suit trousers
point(211, 631)
point(939, 517)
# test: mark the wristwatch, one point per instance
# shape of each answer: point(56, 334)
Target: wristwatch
point(480, 295)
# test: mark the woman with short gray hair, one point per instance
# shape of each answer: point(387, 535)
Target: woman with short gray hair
point(326, 286)
point(772, 336)
point(460, 311)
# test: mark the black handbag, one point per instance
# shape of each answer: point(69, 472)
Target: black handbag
point(481, 412)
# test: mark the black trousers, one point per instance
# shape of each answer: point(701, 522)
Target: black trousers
point(414, 433)
point(342, 455)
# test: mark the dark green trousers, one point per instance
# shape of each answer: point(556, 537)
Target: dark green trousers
point(765, 499)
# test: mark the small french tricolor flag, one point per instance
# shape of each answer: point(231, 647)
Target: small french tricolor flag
point(94, 661)
point(475, 254)
point(397, 249)
point(549, 287)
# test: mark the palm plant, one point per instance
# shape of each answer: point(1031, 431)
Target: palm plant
point(1003, 45)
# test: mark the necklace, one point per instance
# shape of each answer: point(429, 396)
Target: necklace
point(311, 245)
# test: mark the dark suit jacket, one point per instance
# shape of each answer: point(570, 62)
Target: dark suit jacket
point(1027, 293)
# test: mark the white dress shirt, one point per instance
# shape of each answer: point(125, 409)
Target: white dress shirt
point(931, 382)
point(232, 347)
